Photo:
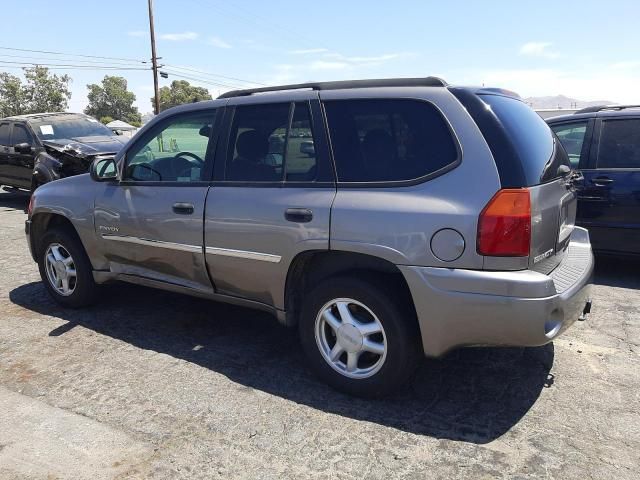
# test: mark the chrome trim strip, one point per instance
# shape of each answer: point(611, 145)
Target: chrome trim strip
point(154, 243)
point(227, 252)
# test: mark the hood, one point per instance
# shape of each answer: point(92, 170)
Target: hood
point(86, 146)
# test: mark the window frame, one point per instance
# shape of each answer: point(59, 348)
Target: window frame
point(9, 125)
point(599, 128)
point(325, 169)
point(154, 130)
point(395, 183)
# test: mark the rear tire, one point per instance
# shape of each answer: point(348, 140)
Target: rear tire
point(65, 269)
point(361, 337)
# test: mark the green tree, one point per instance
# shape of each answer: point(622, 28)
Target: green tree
point(112, 99)
point(180, 92)
point(41, 92)
point(106, 119)
point(44, 91)
point(11, 95)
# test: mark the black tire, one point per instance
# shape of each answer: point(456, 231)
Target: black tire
point(391, 307)
point(85, 289)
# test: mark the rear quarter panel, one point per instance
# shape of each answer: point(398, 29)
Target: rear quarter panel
point(397, 222)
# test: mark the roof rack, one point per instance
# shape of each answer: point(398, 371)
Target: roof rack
point(599, 108)
point(381, 82)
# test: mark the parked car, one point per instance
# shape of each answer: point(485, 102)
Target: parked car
point(36, 149)
point(430, 217)
point(604, 144)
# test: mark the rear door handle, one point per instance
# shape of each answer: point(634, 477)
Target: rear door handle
point(298, 215)
point(601, 181)
point(183, 208)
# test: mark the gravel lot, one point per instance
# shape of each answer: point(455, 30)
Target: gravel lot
point(151, 384)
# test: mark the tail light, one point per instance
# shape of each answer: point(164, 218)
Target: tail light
point(30, 207)
point(504, 226)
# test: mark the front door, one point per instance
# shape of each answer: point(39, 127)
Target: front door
point(272, 196)
point(150, 223)
point(610, 201)
point(20, 164)
point(5, 151)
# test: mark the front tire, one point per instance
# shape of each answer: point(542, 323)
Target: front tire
point(360, 337)
point(65, 269)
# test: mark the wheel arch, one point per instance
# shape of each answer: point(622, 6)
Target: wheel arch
point(44, 221)
point(311, 267)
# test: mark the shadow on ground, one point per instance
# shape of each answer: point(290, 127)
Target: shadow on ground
point(472, 395)
point(623, 272)
point(14, 200)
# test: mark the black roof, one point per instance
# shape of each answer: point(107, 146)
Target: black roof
point(603, 111)
point(599, 108)
point(346, 84)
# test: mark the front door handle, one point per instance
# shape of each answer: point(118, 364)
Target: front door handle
point(298, 215)
point(601, 181)
point(183, 208)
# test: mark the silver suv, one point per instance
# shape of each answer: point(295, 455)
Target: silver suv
point(387, 219)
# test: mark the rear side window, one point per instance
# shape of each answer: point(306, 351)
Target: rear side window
point(571, 135)
point(388, 140)
point(4, 134)
point(619, 144)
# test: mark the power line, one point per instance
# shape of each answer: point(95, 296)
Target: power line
point(73, 54)
point(67, 66)
point(202, 72)
point(88, 62)
point(201, 80)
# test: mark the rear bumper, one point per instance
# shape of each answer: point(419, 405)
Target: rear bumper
point(458, 307)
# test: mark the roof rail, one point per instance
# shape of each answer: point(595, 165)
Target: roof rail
point(381, 82)
point(599, 108)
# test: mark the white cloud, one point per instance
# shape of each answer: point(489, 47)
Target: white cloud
point(179, 37)
point(308, 51)
point(538, 49)
point(324, 65)
point(626, 65)
point(137, 33)
point(218, 42)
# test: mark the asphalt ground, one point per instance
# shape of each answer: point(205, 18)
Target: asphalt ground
point(149, 384)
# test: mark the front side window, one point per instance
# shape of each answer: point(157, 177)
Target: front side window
point(388, 140)
point(175, 153)
point(619, 144)
point(571, 135)
point(264, 147)
point(21, 135)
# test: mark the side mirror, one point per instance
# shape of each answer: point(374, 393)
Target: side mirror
point(23, 148)
point(205, 131)
point(103, 170)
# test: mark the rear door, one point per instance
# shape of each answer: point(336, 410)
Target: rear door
point(5, 152)
point(272, 195)
point(610, 202)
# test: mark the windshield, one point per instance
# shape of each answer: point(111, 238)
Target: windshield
point(68, 126)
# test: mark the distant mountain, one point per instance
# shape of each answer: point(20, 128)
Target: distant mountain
point(562, 102)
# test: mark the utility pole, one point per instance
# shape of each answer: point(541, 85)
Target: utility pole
point(154, 60)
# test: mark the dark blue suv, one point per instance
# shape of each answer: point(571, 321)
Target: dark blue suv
point(604, 144)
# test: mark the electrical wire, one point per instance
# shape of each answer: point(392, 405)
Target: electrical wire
point(202, 72)
point(74, 54)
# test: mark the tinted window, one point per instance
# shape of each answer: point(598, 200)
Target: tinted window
point(4, 134)
point(174, 153)
point(571, 135)
point(619, 144)
point(531, 137)
point(68, 127)
point(20, 135)
point(388, 140)
point(256, 150)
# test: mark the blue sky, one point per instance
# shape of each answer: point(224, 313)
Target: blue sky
point(585, 49)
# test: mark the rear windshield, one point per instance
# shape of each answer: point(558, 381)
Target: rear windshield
point(68, 127)
point(524, 148)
